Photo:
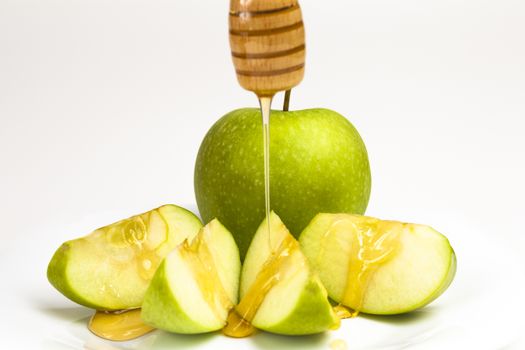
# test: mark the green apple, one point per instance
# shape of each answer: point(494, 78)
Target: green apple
point(291, 298)
point(378, 267)
point(196, 285)
point(110, 269)
point(318, 163)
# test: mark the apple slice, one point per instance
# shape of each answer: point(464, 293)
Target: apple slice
point(279, 293)
point(196, 285)
point(378, 267)
point(110, 269)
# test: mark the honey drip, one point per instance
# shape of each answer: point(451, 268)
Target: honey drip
point(237, 326)
point(239, 320)
point(119, 325)
point(343, 312)
point(375, 242)
point(199, 258)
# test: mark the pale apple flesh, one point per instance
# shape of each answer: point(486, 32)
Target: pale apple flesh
point(418, 270)
point(297, 303)
point(196, 285)
point(111, 268)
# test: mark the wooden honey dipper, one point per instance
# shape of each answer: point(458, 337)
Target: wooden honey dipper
point(267, 44)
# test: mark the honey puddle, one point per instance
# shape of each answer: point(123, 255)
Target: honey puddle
point(239, 320)
point(118, 325)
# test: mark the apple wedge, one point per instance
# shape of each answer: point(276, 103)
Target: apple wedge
point(278, 291)
point(376, 266)
point(196, 285)
point(111, 268)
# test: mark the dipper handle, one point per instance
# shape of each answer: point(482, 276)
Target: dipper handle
point(267, 44)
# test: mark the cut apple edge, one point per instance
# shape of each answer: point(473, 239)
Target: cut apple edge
point(445, 264)
point(56, 275)
point(447, 281)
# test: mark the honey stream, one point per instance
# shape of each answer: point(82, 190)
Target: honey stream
point(239, 320)
point(266, 102)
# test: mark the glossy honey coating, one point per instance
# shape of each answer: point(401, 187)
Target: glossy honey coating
point(118, 326)
point(240, 318)
point(267, 44)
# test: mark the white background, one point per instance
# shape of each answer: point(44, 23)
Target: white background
point(103, 105)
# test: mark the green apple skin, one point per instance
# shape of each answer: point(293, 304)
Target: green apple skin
point(318, 163)
point(159, 297)
point(313, 314)
point(416, 275)
point(81, 269)
point(57, 276)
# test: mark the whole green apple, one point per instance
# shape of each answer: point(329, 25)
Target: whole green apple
point(318, 163)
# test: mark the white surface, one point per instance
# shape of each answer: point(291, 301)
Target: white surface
point(103, 105)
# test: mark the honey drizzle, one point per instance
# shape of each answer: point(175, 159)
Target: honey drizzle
point(201, 262)
point(374, 243)
point(239, 320)
point(377, 244)
point(119, 325)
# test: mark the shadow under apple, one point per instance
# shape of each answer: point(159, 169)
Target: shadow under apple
point(265, 340)
point(416, 316)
